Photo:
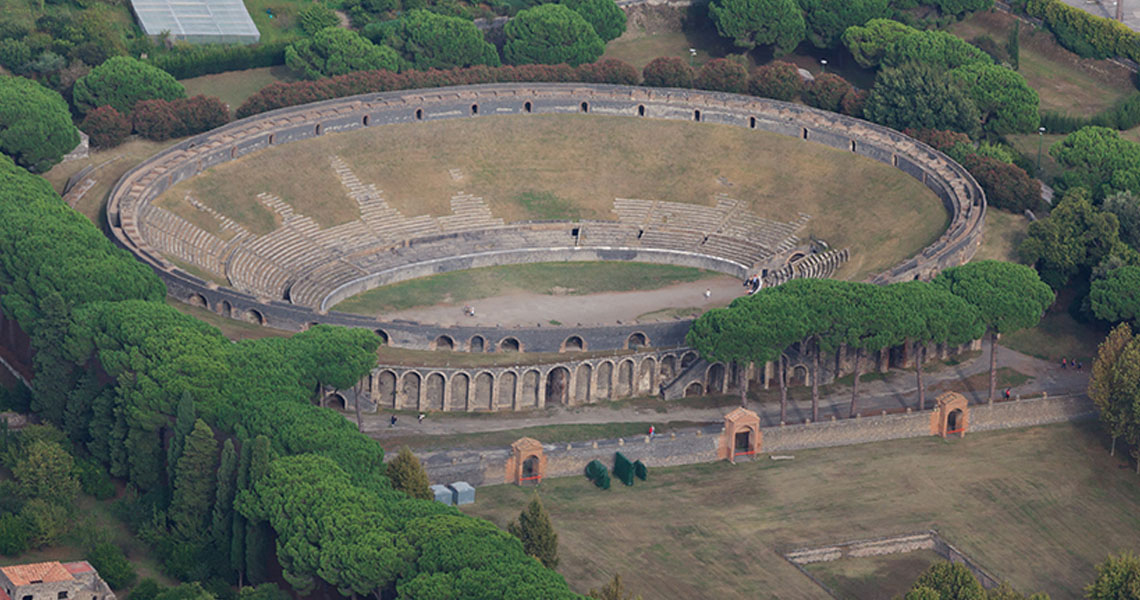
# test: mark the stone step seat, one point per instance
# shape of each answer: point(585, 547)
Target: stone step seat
point(347, 238)
point(290, 250)
point(311, 287)
point(632, 210)
point(251, 273)
point(671, 239)
point(171, 233)
point(740, 251)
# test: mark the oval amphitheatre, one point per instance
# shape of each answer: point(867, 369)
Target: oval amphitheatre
point(266, 261)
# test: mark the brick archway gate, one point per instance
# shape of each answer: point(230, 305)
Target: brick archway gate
point(951, 415)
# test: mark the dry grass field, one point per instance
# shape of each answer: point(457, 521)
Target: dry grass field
point(873, 577)
point(1038, 507)
point(573, 166)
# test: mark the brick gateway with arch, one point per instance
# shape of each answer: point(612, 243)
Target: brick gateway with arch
point(130, 200)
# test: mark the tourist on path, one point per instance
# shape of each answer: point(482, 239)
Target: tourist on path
point(421, 418)
point(392, 423)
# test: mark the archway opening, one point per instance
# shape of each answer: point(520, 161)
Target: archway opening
point(383, 335)
point(716, 379)
point(752, 122)
point(317, 129)
point(799, 375)
point(337, 402)
point(573, 344)
point(530, 472)
point(688, 359)
point(637, 340)
point(694, 389)
point(697, 115)
point(954, 422)
point(253, 316)
point(477, 343)
point(474, 109)
point(743, 441)
point(526, 107)
point(558, 386)
point(364, 120)
point(641, 110)
point(509, 345)
point(419, 114)
point(225, 309)
point(443, 343)
point(197, 300)
point(585, 106)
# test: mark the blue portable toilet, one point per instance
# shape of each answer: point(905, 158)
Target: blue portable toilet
point(442, 494)
point(463, 493)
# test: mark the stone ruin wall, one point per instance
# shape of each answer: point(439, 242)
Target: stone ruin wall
point(958, 191)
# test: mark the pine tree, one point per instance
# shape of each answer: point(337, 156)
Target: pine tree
point(408, 475)
point(183, 425)
point(1013, 46)
point(222, 526)
point(194, 482)
point(237, 543)
point(537, 534)
point(257, 533)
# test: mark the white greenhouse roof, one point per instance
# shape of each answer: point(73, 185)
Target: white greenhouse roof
point(197, 21)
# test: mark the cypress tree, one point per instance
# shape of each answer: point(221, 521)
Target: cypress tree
point(537, 534)
point(183, 425)
point(408, 475)
point(222, 526)
point(194, 482)
point(257, 533)
point(237, 543)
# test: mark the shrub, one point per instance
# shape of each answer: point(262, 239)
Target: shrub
point(106, 126)
point(722, 75)
point(316, 17)
point(201, 113)
point(156, 120)
point(93, 478)
point(186, 61)
point(336, 51)
point(826, 91)
point(121, 82)
point(112, 565)
point(1106, 37)
point(35, 125)
point(14, 535)
point(777, 79)
point(426, 40)
point(1007, 186)
point(147, 589)
point(623, 469)
point(640, 470)
point(551, 34)
point(608, 71)
point(607, 18)
point(597, 473)
point(668, 71)
point(853, 102)
point(46, 522)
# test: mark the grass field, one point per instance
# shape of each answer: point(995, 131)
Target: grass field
point(638, 48)
point(549, 434)
point(109, 166)
point(873, 577)
point(1004, 232)
point(1065, 82)
point(1058, 336)
point(1038, 507)
point(234, 87)
point(576, 278)
point(585, 162)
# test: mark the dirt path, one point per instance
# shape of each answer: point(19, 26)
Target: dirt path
point(898, 390)
point(594, 309)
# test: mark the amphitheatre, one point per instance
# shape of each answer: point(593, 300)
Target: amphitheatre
point(278, 218)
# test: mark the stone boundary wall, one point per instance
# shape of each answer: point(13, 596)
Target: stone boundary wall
point(699, 445)
point(959, 192)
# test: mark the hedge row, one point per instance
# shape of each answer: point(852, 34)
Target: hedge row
point(1104, 35)
point(1124, 115)
point(193, 61)
point(623, 469)
point(155, 120)
point(597, 473)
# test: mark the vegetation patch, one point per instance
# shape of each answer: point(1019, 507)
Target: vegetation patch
point(873, 577)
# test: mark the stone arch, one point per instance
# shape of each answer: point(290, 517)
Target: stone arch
point(474, 109)
point(794, 257)
point(336, 401)
point(198, 300)
point(624, 386)
point(687, 359)
point(584, 107)
point(383, 335)
point(603, 389)
point(443, 342)
point(386, 389)
point(225, 308)
point(800, 376)
point(434, 391)
point(529, 398)
point(460, 391)
point(484, 391)
point(645, 376)
point(694, 389)
point(951, 415)
point(527, 106)
point(574, 343)
point(317, 129)
point(476, 344)
point(582, 377)
point(641, 110)
point(527, 462)
point(411, 390)
point(419, 114)
point(364, 121)
point(697, 115)
point(272, 139)
point(636, 340)
point(252, 315)
point(668, 368)
point(715, 378)
point(510, 344)
point(558, 386)
point(508, 381)
point(752, 122)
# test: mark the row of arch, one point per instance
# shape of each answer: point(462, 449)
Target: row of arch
point(527, 387)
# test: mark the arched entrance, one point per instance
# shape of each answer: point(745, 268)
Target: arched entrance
point(954, 421)
point(741, 435)
point(509, 345)
point(477, 344)
point(460, 387)
point(527, 463)
point(508, 381)
point(443, 342)
point(411, 390)
point(637, 340)
point(336, 402)
point(951, 415)
point(716, 378)
point(558, 386)
point(435, 391)
point(694, 389)
point(573, 344)
point(484, 389)
point(386, 394)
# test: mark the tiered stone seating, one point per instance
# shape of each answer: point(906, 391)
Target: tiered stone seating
point(251, 273)
point(671, 239)
point(687, 216)
point(177, 237)
point(604, 233)
point(813, 266)
point(741, 251)
point(468, 212)
point(633, 211)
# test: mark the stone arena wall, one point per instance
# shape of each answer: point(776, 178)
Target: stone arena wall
point(699, 445)
point(960, 194)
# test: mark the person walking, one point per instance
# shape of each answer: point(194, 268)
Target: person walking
point(1007, 393)
point(708, 293)
point(652, 432)
point(1064, 362)
point(421, 418)
point(392, 422)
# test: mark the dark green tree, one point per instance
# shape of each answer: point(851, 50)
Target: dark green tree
point(408, 475)
point(1114, 383)
point(827, 20)
point(112, 565)
point(257, 533)
point(426, 40)
point(35, 124)
point(239, 526)
point(1009, 297)
point(1117, 578)
point(335, 51)
point(184, 421)
point(46, 472)
point(868, 43)
point(607, 18)
point(147, 589)
point(952, 581)
point(917, 96)
point(1126, 206)
point(751, 23)
point(316, 17)
point(194, 484)
point(614, 590)
point(1075, 237)
point(551, 34)
point(121, 82)
point(1004, 99)
point(221, 527)
point(186, 591)
point(1116, 297)
point(538, 537)
point(1098, 159)
point(1013, 46)
point(938, 50)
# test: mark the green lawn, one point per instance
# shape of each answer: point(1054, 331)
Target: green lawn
point(548, 434)
point(873, 577)
point(234, 87)
point(1004, 232)
point(1038, 507)
point(638, 48)
point(1058, 336)
point(573, 278)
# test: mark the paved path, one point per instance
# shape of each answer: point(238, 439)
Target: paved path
point(1107, 9)
point(897, 391)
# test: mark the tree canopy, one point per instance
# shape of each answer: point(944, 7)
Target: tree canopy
point(827, 20)
point(751, 23)
point(935, 49)
point(868, 43)
point(1116, 297)
point(427, 40)
point(607, 18)
point(35, 125)
point(1075, 237)
point(1004, 99)
point(551, 34)
point(335, 51)
point(1097, 158)
point(921, 97)
point(121, 82)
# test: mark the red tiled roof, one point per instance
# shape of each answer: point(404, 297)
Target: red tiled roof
point(4, 595)
point(45, 572)
point(76, 568)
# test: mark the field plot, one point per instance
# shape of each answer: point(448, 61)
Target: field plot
point(1037, 507)
point(873, 577)
point(573, 166)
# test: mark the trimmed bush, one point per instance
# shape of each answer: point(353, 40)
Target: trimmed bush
point(186, 61)
point(853, 102)
point(121, 82)
point(1105, 36)
point(1007, 186)
point(668, 71)
point(106, 126)
point(316, 17)
point(826, 91)
point(156, 120)
point(112, 565)
point(640, 470)
point(201, 113)
point(623, 469)
point(597, 473)
point(722, 75)
point(777, 79)
point(608, 71)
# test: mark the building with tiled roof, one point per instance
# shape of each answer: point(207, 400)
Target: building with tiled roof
point(53, 581)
